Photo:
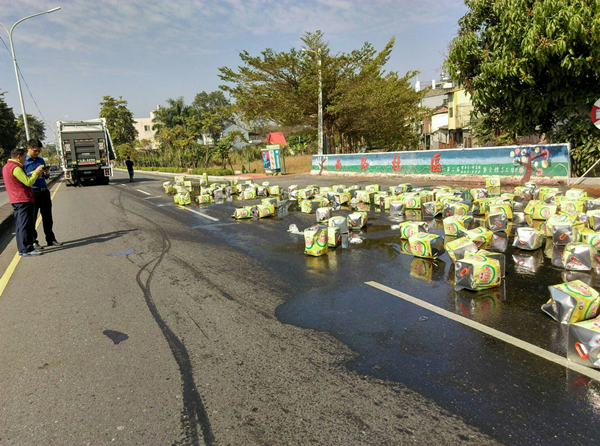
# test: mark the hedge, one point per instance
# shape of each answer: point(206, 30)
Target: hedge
point(211, 172)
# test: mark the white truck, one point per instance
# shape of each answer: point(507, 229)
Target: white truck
point(85, 151)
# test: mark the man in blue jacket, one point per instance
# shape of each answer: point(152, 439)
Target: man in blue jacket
point(41, 194)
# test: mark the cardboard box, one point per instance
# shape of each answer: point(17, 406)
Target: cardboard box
point(478, 194)
point(316, 241)
point(412, 202)
point(501, 208)
point(572, 302)
point(565, 233)
point(575, 194)
point(372, 188)
point(530, 261)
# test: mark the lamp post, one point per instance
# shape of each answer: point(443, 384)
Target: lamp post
point(318, 53)
point(12, 49)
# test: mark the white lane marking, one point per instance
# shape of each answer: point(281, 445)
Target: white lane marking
point(143, 191)
point(161, 205)
point(158, 196)
point(549, 356)
point(199, 213)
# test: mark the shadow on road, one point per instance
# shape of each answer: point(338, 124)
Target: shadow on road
point(100, 238)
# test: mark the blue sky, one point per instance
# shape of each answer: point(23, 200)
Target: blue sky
point(151, 50)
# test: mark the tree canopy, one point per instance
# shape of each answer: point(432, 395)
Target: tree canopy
point(119, 120)
point(37, 129)
point(363, 105)
point(532, 67)
point(8, 128)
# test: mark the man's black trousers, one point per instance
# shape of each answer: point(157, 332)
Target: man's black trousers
point(43, 203)
point(24, 226)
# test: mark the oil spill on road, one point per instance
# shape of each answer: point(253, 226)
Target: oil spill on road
point(116, 336)
point(127, 252)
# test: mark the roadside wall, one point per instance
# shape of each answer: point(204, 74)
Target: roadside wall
point(516, 164)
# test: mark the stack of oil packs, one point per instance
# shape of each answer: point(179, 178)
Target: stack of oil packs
point(492, 185)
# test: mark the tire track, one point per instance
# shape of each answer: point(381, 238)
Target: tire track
point(193, 413)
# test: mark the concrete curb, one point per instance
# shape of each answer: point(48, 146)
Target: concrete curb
point(7, 218)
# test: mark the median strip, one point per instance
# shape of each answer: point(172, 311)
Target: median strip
point(530, 348)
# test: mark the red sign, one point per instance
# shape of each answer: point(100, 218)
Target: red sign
point(596, 114)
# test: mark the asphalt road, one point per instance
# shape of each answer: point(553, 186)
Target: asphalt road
point(157, 325)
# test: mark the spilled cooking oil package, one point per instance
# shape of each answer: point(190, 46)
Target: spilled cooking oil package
point(477, 273)
point(583, 343)
point(572, 302)
point(429, 246)
point(315, 240)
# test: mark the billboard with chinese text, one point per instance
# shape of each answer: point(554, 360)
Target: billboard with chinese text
point(524, 162)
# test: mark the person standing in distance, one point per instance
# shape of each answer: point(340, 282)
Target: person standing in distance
point(20, 195)
point(41, 194)
point(129, 165)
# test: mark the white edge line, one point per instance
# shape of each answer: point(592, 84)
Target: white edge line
point(142, 191)
point(589, 372)
point(199, 213)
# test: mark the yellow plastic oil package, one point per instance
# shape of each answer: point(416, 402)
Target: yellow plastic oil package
point(457, 249)
point(243, 212)
point(572, 302)
point(410, 228)
point(428, 246)
point(315, 240)
point(583, 343)
point(477, 273)
point(578, 257)
point(455, 224)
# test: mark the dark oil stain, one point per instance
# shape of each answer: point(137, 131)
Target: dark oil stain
point(116, 336)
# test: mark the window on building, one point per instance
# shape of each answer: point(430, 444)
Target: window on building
point(146, 128)
point(451, 112)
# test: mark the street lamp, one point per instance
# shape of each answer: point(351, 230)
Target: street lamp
point(12, 49)
point(318, 53)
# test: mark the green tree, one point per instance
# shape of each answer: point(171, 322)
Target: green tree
point(532, 67)
point(362, 104)
point(37, 129)
point(177, 132)
point(8, 129)
point(119, 120)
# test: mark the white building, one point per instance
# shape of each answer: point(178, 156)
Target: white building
point(144, 128)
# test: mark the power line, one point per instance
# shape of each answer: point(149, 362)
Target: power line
point(26, 84)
